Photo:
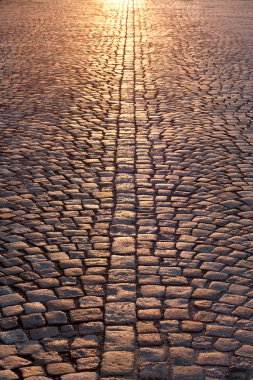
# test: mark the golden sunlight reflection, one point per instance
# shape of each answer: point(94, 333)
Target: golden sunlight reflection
point(114, 2)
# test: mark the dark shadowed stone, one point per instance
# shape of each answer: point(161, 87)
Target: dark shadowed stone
point(154, 371)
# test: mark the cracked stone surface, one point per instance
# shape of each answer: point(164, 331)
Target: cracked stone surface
point(126, 189)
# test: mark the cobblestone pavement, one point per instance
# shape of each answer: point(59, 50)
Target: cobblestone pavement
point(127, 198)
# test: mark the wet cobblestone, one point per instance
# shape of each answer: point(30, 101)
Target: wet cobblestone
point(126, 190)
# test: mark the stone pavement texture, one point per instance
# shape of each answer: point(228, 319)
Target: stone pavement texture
point(127, 198)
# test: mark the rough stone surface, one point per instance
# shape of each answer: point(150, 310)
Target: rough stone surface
point(188, 373)
point(117, 363)
point(126, 184)
point(8, 375)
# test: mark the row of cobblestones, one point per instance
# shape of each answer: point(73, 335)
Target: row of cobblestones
point(126, 177)
point(201, 247)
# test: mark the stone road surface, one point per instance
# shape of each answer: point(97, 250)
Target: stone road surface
point(127, 189)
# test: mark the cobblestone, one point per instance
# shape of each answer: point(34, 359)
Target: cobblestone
point(126, 189)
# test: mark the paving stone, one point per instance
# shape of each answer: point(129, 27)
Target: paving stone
point(148, 303)
point(12, 362)
point(121, 275)
point(12, 310)
point(146, 327)
point(32, 371)
point(245, 351)
point(208, 294)
point(39, 378)
point(149, 339)
point(223, 308)
point(123, 245)
point(178, 291)
point(182, 356)
point(117, 363)
point(13, 336)
point(33, 320)
point(152, 291)
point(179, 314)
point(8, 323)
point(59, 368)
point(56, 344)
point(119, 338)
point(80, 376)
point(150, 314)
point(226, 344)
point(120, 312)
point(8, 375)
point(233, 299)
point(69, 292)
point(92, 341)
point(244, 336)
point(41, 295)
point(34, 307)
point(169, 326)
point(188, 373)
point(243, 312)
point(91, 328)
point(118, 261)
point(154, 371)
point(85, 315)
point(44, 332)
point(202, 342)
point(213, 359)
point(13, 299)
point(56, 318)
point(7, 350)
point(62, 305)
point(180, 339)
point(29, 348)
point(226, 320)
point(191, 326)
point(42, 358)
point(220, 331)
point(90, 302)
point(205, 316)
point(121, 292)
point(147, 354)
point(90, 363)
